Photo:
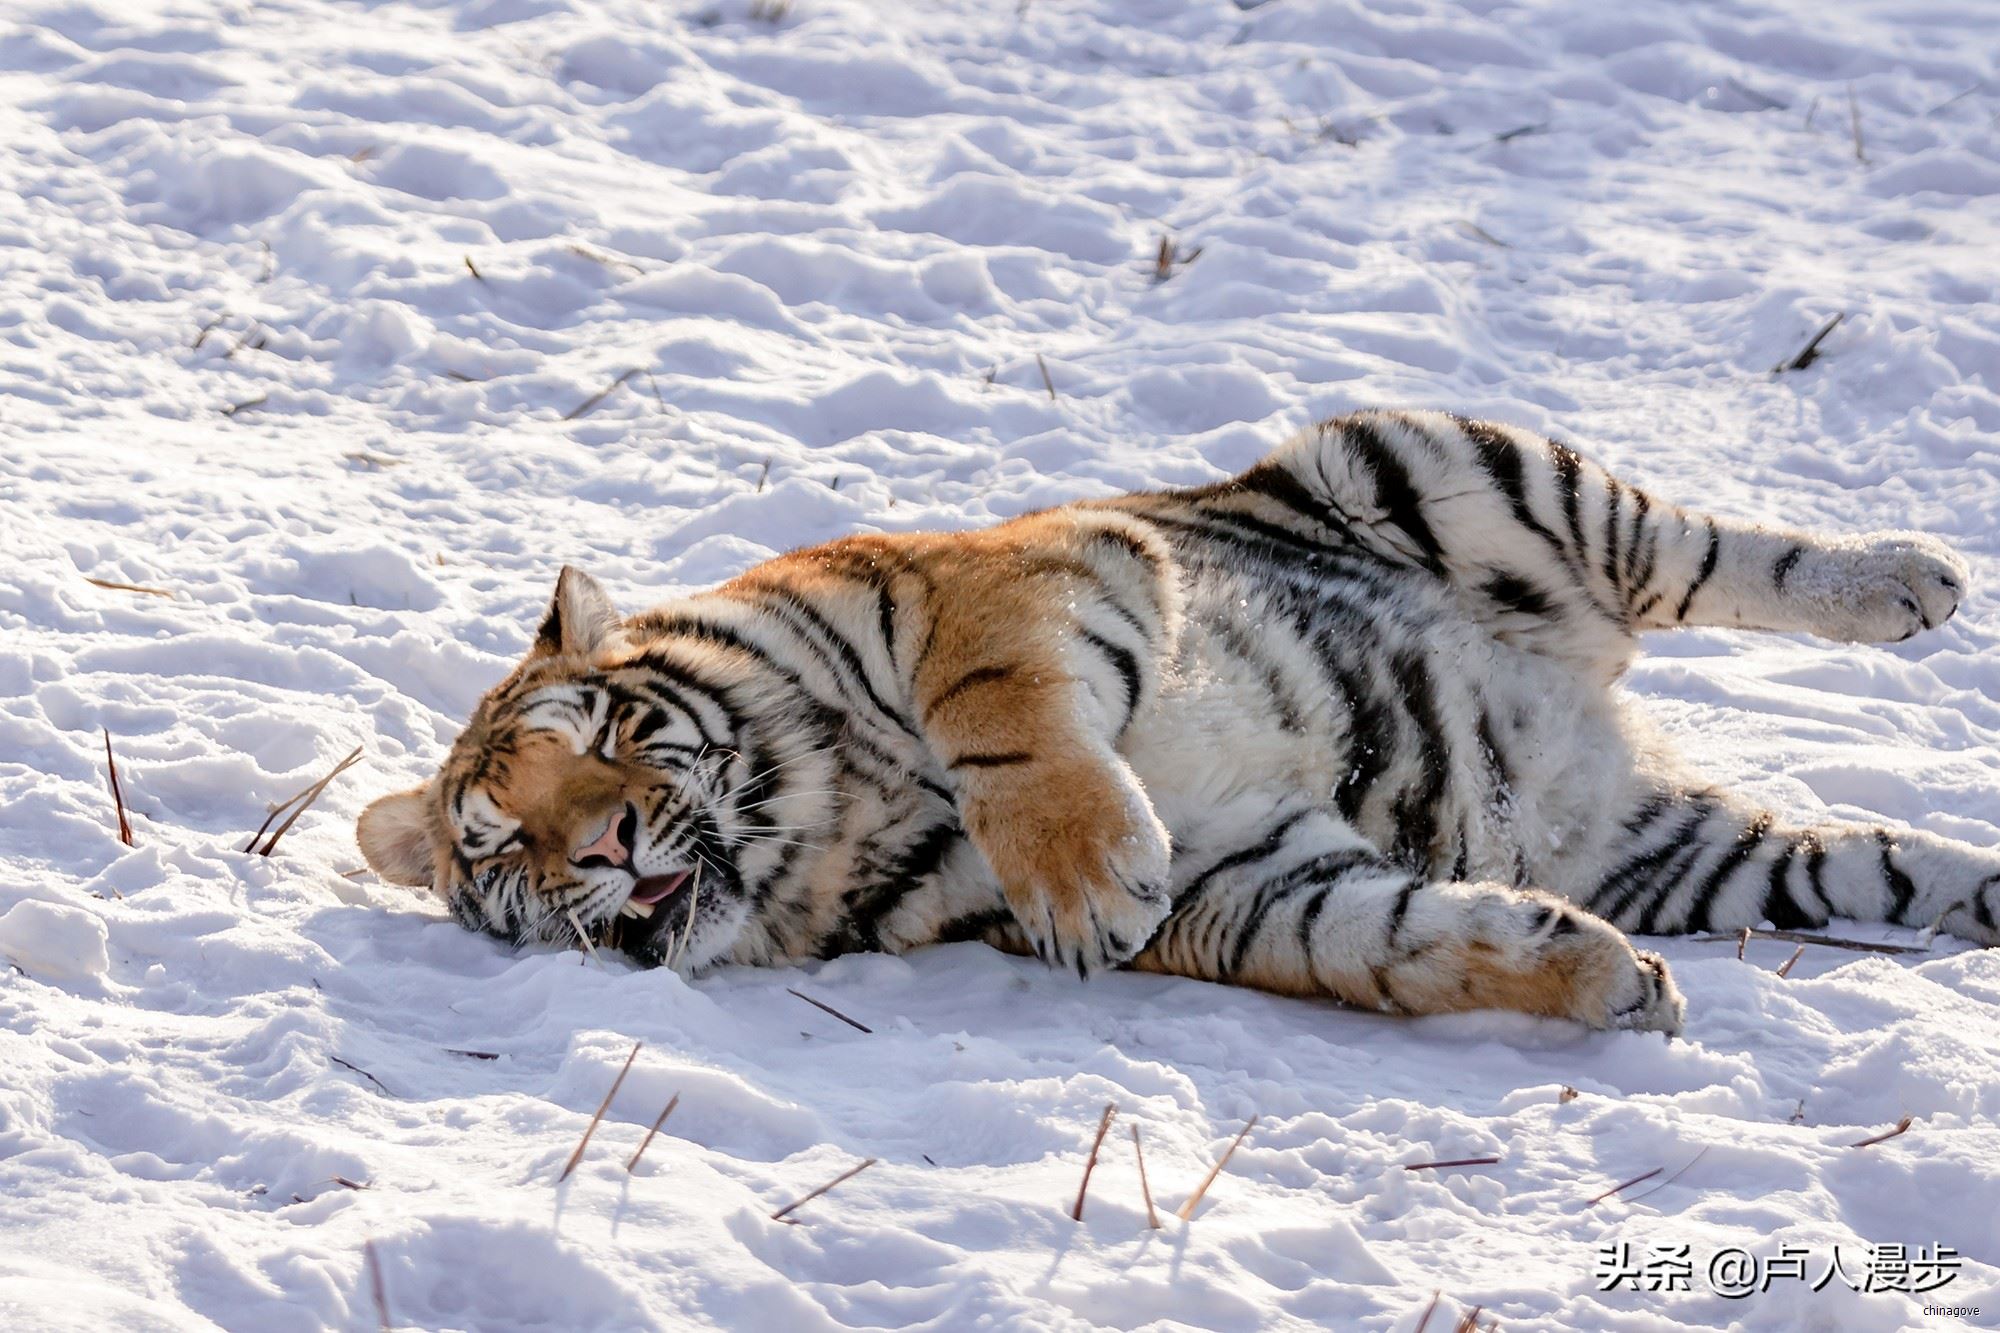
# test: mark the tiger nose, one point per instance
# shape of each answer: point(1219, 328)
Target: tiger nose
point(613, 844)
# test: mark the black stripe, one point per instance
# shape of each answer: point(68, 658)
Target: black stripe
point(1517, 594)
point(1708, 561)
point(1395, 495)
point(1325, 869)
point(972, 679)
point(1501, 458)
point(1782, 569)
point(868, 904)
point(1370, 741)
point(1901, 888)
point(1125, 663)
point(1569, 478)
point(1704, 896)
point(1272, 842)
point(1614, 497)
point(1002, 759)
point(1417, 810)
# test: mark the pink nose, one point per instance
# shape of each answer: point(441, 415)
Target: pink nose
point(606, 844)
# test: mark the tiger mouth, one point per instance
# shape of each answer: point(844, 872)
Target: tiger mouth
point(650, 891)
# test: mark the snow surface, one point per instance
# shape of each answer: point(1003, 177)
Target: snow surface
point(245, 358)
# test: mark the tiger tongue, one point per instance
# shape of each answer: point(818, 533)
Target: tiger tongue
point(653, 888)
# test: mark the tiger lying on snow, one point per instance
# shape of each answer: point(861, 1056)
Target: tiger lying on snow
point(1341, 726)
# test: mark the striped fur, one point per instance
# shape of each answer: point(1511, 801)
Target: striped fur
point(1343, 725)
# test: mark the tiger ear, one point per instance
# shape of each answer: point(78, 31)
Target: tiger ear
point(581, 619)
point(395, 836)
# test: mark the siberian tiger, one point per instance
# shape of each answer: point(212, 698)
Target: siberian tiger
point(1344, 725)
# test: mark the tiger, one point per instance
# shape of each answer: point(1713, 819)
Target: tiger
point(1346, 725)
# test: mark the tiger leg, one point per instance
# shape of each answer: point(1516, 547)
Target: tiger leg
point(1035, 645)
point(1696, 861)
point(1560, 554)
point(1311, 910)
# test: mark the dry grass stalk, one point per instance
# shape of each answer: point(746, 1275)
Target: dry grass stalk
point(599, 396)
point(1670, 1179)
point(376, 1285)
point(246, 404)
point(345, 1183)
point(840, 1179)
point(640, 1151)
point(1194, 1200)
point(1047, 383)
point(380, 1086)
point(473, 1055)
point(1429, 1310)
point(1146, 1189)
point(763, 476)
point(1742, 943)
point(1090, 1162)
point(602, 1107)
point(1854, 122)
point(297, 805)
point(1805, 937)
point(1806, 356)
point(1456, 1161)
point(827, 1008)
point(1520, 132)
point(116, 586)
point(117, 794)
point(1785, 968)
point(1469, 1321)
point(1168, 256)
point(1902, 1127)
point(1594, 1200)
point(471, 268)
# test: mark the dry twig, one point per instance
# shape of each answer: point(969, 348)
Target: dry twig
point(1854, 120)
point(1785, 968)
point(246, 404)
point(1429, 1310)
point(1810, 352)
point(473, 270)
point(1194, 1200)
point(1146, 1189)
point(1902, 1127)
point(1090, 1162)
point(640, 1151)
point(1742, 942)
point(842, 1178)
point(376, 1285)
point(827, 1008)
point(1469, 1322)
point(116, 586)
point(380, 1086)
point(599, 396)
point(1047, 383)
point(602, 1107)
point(298, 805)
point(117, 795)
point(1803, 937)
point(1567, 1095)
point(1615, 1189)
point(1456, 1161)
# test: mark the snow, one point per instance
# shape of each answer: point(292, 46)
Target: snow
point(245, 358)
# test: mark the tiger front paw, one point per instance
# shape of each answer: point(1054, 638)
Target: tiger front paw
point(1083, 864)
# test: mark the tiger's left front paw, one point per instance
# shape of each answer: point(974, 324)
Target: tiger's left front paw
point(1083, 863)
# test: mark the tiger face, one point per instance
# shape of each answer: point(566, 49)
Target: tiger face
point(583, 801)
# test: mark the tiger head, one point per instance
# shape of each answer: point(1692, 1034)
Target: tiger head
point(594, 794)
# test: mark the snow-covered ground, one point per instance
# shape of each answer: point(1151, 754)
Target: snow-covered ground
point(305, 313)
